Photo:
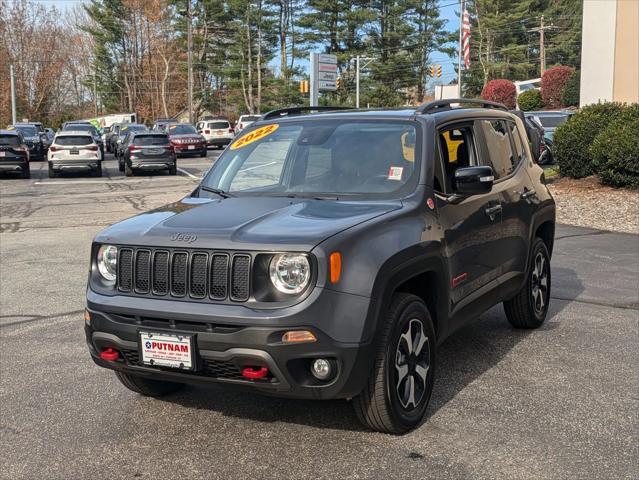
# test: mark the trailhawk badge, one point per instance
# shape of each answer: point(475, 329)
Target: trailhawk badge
point(183, 237)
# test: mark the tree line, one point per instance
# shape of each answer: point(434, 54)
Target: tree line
point(249, 55)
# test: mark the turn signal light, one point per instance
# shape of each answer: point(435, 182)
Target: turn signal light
point(336, 266)
point(298, 336)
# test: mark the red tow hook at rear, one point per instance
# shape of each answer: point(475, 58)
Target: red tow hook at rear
point(109, 354)
point(254, 373)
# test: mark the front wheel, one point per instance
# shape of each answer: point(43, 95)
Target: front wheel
point(203, 153)
point(146, 386)
point(401, 382)
point(528, 309)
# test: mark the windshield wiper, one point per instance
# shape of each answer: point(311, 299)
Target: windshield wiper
point(312, 197)
point(217, 191)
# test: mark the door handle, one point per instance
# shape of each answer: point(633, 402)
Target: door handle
point(492, 211)
point(526, 194)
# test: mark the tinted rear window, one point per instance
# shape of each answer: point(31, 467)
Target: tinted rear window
point(250, 118)
point(146, 140)
point(216, 125)
point(10, 140)
point(81, 127)
point(69, 140)
point(131, 128)
point(552, 121)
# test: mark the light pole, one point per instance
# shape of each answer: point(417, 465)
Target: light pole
point(189, 41)
point(13, 96)
point(359, 59)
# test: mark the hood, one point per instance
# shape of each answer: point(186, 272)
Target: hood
point(244, 223)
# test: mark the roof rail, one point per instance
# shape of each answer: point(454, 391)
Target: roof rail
point(293, 111)
point(440, 105)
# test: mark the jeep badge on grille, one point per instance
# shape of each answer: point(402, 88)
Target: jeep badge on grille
point(183, 237)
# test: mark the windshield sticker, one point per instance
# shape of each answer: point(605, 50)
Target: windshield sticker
point(395, 173)
point(254, 136)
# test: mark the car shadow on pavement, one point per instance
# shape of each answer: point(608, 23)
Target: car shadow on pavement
point(461, 359)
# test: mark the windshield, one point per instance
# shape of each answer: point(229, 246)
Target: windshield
point(181, 129)
point(552, 121)
point(27, 130)
point(131, 128)
point(81, 127)
point(145, 140)
point(316, 157)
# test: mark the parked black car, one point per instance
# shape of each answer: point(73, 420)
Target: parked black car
point(86, 127)
point(327, 256)
point(162, 123)
point(33, 140)
point(148, 151)
point(14, 153)
point(124, 131)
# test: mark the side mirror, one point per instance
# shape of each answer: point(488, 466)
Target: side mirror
point(474, 180)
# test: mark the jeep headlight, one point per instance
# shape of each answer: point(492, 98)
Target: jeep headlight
point(108, 262)
point(290, 272)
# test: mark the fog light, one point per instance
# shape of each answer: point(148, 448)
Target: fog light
point(298, 336)
point(321, 369)
point(87, 317)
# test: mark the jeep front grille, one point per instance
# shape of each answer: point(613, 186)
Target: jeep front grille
point(200, 275)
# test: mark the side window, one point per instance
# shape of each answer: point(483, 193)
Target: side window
point(520, 151)
point(456, 150)
point(499, 147)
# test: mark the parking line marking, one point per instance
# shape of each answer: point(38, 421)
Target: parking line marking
point(181, 170)
point(89, 182)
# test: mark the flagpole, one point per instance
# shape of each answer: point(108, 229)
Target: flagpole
point(459, 59)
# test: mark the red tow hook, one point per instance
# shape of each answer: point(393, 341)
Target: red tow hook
point(109, 354)
point(255, 373)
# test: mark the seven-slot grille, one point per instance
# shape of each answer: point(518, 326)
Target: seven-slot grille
point(200, 275)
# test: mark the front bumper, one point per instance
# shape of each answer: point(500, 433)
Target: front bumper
point(223, 346)
point(184, 149)
point(14, 166)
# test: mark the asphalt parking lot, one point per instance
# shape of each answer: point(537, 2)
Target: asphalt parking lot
point(559, 402)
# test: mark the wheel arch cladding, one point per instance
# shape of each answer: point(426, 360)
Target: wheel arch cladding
point(546, 231)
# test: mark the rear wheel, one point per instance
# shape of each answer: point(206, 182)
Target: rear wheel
point(26, 173)
point(173, 169)
point(147, 387)
point(128, 171)
point(528, 309)
point(399, 387)
point(98, 171)
point(52, 172)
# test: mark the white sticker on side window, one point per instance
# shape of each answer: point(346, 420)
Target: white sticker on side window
point(395, 173)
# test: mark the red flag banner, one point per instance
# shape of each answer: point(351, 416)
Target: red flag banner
point(466, 38)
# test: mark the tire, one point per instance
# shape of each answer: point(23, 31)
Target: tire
point(120, 166)
point(52, 173)
point(26, 173)
point(385, 404)
point(128, 171)
point(173, 169)
point(528, 309)
point(147, 387)
point(98, 171)
point(203, 153)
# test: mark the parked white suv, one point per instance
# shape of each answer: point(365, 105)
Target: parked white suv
point(74, 151)
point(217, 132)
point(245, 120)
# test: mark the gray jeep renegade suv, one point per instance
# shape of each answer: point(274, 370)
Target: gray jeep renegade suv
point(326, 254)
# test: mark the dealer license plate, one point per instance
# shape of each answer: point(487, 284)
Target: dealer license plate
point(191, 147)
point(167, 350)
point(2, 154)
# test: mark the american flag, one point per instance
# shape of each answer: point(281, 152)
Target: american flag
point(466, 38)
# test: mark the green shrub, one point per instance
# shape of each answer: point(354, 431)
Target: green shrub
point(572, 140)
point(530, 100)
point(570, 94)
point(615, 150)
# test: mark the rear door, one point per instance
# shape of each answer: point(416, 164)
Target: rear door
point(507, 155)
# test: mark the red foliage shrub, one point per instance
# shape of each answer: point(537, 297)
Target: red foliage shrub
point(553, 82)
point(502, 91)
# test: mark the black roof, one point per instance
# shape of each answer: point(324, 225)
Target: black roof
point(9, 132)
